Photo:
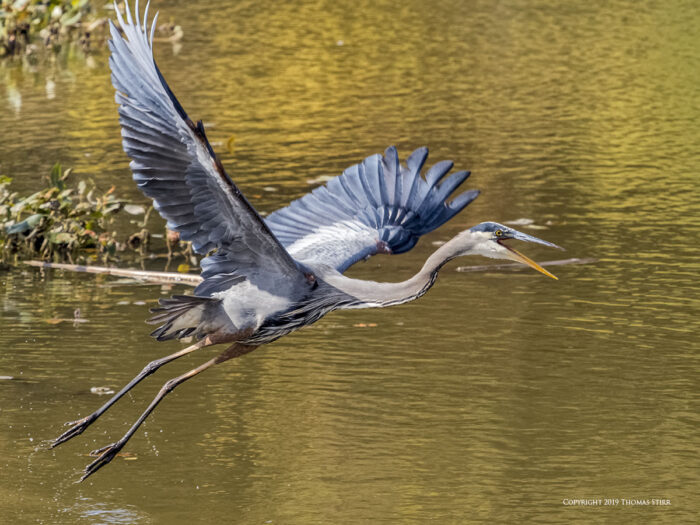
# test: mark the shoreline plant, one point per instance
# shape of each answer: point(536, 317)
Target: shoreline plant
point(73, 221)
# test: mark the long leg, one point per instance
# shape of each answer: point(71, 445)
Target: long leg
point(77, 427)
point(108, 453)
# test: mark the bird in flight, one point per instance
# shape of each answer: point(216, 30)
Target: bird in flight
point(265, 278)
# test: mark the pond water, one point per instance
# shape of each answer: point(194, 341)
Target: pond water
point(494, 398)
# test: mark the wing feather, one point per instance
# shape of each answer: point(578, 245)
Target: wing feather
point(174, 164)
point(375, 206)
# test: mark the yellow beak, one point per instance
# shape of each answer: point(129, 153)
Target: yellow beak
point(517, 256)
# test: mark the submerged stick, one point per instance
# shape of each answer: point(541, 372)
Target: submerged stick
point(141, 275)
point(194, 280)
point(517, 266)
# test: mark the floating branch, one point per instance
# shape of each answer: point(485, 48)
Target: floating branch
point(194, 280)
point(516, 266)
point(141, 275)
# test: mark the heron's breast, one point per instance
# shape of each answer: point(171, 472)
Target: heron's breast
point(248, 306)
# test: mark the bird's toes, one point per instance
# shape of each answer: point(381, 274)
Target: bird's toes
point(76, 422)
point(76, 429)
point(101, 450)
point(106, 454)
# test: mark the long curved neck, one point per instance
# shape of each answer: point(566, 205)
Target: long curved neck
point(372, 294)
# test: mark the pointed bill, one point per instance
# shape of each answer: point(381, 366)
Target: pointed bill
point(519, 257)
point(520, 236)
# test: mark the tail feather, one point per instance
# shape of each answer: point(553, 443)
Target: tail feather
point(181, 315)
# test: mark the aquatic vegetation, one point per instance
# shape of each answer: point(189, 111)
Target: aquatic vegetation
point(27, 26)
point(68, 220)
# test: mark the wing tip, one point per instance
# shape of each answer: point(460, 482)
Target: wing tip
point(397, 202)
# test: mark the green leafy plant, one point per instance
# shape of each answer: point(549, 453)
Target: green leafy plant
point(60, 222)
point(26, 25)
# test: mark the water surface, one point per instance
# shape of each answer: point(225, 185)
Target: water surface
point(496, 396)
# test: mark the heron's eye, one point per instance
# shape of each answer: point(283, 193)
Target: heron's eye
point(499, 233)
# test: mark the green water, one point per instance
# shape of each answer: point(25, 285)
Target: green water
point(494, 398)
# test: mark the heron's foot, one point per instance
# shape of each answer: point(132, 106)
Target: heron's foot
point(77, 428)
point(106, 454)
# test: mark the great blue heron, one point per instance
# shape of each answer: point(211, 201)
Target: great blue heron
point(267, 278)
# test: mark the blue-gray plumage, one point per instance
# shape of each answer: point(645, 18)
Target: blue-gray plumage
point(263, 279)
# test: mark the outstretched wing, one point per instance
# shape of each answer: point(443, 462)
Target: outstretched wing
point(378, 206)
point(174, 164)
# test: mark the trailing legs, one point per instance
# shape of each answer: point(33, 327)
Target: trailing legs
point(77, 427)
point(108, 453)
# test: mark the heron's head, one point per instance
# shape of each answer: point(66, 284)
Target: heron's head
point(491, 239)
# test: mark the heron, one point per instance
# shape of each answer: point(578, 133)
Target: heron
point(265, 278)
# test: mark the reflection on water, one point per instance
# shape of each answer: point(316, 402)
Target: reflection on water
point(494, 397)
